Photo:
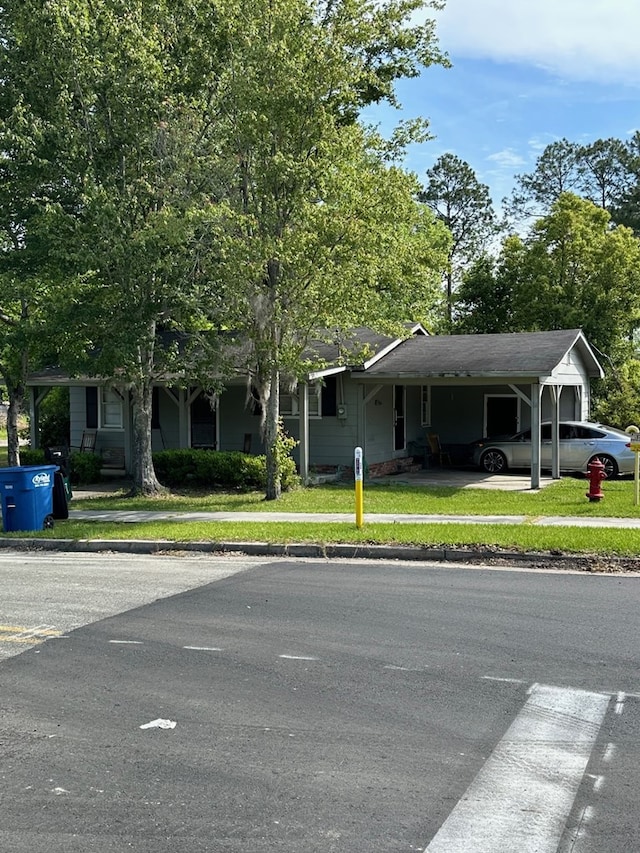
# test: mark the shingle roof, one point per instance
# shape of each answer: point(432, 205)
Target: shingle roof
point(362, 337)
point(512, 354)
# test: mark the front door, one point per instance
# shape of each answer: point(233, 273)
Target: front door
point(203, 423)
point(502, 415)
point(399, 433)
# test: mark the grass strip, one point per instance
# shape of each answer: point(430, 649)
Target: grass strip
point(522, 537)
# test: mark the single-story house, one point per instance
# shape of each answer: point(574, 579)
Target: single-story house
point(460, 387)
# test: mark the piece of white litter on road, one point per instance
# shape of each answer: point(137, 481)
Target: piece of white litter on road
point(159, 724)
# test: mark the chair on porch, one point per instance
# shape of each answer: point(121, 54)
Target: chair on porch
point(87, 442)
point(438, 455)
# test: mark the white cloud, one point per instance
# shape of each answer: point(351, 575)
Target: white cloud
point(588, 40)
point(508, 158)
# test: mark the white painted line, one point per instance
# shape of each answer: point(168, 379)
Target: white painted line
point(126, 642)
point(620, 703)
point(505, 680)
point(202, 648)
point(609, 752)
point(521, 798)
point(296, 657)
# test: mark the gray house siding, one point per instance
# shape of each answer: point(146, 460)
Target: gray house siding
point(236, 421)
point(77, 414)
point(332, 439)
point(167, 437)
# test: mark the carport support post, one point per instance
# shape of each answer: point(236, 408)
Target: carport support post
point(555, 390)
point(536, 393)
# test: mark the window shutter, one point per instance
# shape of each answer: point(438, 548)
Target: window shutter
point(91, 404)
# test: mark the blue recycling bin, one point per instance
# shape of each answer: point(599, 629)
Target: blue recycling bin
point(26, 492)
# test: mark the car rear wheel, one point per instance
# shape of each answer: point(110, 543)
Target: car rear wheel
point(610, 465)
point(493, 462)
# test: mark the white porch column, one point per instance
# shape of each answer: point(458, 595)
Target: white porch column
point(556, 391)
point(536, 393)
point(303, 398)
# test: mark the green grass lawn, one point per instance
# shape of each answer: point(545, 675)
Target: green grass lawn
point(564, 498)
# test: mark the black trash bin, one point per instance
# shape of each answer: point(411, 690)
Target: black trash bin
point(60, 456)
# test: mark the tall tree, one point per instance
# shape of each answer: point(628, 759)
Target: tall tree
point(114, 97)
point(464, 206)
point(317, 230)
point(626, 210)
point(557, 171)
point(603, 167)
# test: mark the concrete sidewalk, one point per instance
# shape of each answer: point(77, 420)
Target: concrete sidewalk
point(137, 516)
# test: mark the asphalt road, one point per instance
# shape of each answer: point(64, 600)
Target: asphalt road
point(315, 706)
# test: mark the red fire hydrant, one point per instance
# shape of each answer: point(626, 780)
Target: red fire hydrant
point(596, 475)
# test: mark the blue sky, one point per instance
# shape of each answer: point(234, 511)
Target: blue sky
point(525, 73)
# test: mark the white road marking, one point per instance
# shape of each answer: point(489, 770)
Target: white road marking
point(620, 703)
point(505, 680)
point(522, 796)
point(126, 642)
point(202, 648)
point(296, 657)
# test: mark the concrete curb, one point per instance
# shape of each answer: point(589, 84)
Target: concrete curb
point(587, 563)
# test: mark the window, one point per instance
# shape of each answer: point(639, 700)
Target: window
point(425, 405)
point(110, 409)
point(290, 403)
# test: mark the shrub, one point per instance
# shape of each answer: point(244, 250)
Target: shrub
point(216, 469)
point(85, 468)
point(32, 457)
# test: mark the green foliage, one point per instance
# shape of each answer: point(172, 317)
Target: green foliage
point(84, 468)
point(616, 400)
point(573, 271)
point(286, 467)
point(217, 469)
point(32, 457)
point(54, 418)
point(200, 166)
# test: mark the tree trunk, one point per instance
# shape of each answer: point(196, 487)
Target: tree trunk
point(145, 481)
point(16, 404)
point(271, 409)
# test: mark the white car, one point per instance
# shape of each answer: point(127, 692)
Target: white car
point(580, 443)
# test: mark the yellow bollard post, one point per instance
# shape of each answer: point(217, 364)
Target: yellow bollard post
point(357, 468)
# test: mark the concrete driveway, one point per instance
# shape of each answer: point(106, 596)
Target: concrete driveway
point(464, 478)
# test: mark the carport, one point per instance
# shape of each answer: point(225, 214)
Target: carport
point(536, 366)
